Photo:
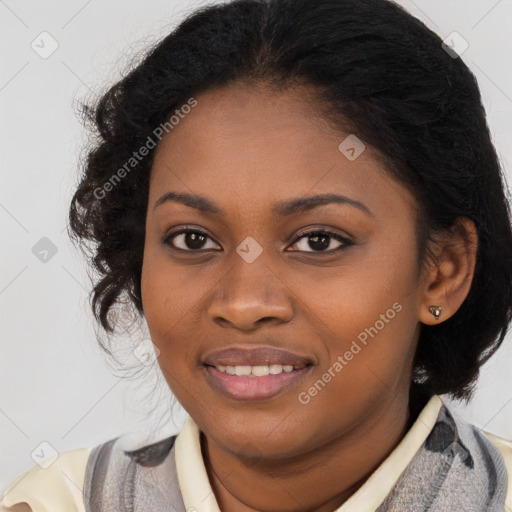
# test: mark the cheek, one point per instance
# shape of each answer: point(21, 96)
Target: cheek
point(163, 288)
point(171, 297)
point(154, 293)
point(367, 316)
point(163, 304)
point(164, 310)
point(352, 297)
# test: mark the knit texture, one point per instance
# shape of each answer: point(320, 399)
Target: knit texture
point(457, 469)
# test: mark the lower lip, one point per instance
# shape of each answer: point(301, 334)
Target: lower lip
point(254, 388)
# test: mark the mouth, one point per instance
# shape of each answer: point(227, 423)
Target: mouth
point(258, 370)
point(255, 373)
point(254, 388)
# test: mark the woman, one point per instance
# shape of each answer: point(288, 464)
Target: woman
point(302, 201)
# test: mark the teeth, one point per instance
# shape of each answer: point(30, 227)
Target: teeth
point(275, 368)
point(257, 371)
point(260, 371)
point(242, 370)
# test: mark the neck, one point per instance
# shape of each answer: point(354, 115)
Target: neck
point(335, 470)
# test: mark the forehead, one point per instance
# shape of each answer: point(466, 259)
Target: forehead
point(252, 144)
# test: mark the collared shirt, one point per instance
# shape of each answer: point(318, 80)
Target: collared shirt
point(198, 495)
point(59, 488)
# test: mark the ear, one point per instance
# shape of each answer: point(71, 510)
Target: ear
point(448, 278)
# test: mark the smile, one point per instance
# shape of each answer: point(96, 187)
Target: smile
point(257, 371)
point(253, 383)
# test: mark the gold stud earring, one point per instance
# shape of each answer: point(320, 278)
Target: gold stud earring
point(436, 311)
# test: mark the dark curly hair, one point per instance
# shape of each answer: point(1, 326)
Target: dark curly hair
point(371, 64)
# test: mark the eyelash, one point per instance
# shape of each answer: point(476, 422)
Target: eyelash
point(345, 241)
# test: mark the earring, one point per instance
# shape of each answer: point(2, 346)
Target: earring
point(436, 311)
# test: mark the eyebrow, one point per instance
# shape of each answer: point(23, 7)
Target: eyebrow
point(279, 209)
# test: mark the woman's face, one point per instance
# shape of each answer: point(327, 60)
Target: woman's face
point(263, 268)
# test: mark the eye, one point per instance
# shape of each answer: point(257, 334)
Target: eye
point(190, 240)
point(193, 240)
point(318, 240)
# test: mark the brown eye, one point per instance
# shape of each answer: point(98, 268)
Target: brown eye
point(319, 241)
point(188, 240)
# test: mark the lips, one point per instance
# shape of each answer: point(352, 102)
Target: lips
point(255, 389)
point(255, 356)
point(255, 373)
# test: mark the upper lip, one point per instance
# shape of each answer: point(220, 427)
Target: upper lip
point(254, 356)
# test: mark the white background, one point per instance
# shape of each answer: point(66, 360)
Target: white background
point(55, 383)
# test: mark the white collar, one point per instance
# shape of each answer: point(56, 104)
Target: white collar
point(198, 495)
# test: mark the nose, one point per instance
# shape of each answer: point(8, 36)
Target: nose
point(251, 294)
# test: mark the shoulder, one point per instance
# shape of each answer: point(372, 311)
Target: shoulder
point(494, 452)
point(505, 448)
point(79, 479)
point(54, 485)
